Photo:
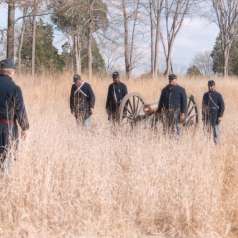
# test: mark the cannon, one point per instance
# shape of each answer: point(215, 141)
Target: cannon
point(134, 111)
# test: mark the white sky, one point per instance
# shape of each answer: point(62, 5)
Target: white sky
point(197, 35)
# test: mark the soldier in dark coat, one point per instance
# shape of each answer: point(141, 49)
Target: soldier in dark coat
point(172, 105)
point(12, 110)
point(213, 108)
point(116, 92)
point(82, 101)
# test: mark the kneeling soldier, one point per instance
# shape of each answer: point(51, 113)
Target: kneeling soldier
point(82, 101)
point(116, 92)
point(213, 108)
point(12, 112)
point(172, 105)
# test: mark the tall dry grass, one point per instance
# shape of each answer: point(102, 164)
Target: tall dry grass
point(68, 182)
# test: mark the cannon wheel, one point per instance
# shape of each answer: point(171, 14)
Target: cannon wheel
point(131, 108)
point(192, 117)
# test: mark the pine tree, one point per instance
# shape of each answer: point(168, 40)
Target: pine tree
point(47, 56)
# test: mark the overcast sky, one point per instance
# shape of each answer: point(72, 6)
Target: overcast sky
point(197, 35)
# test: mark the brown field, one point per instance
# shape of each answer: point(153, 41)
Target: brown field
point(70, 183)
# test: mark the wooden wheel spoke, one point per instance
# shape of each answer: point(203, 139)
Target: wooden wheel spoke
point(130, 109)
point(127, 108)
point(137, 104)
point(134, 104)
point(130, 117)
point(190, 118)
point(192, 114)
point(191, 110)
point(189, 103)
point(130, 113)
point(129, 103)
point(141, 107)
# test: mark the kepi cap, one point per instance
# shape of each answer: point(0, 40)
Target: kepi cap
point(76, 77)
point(7, 64)
point(172, 77)
point(115, 75)
point(211, 83)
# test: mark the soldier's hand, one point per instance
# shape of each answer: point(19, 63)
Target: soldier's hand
point(219, 120)
point(182, 117)
point(91, 110)
point(23, 135)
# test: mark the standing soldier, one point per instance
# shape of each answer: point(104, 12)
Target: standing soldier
point(172, 105)
point(116, 92)
point(213, 108)
point(12, 112)
point(82, 101)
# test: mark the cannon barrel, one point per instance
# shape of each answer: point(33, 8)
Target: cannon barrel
point(134, 109)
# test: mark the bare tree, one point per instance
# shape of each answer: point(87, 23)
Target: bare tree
point(90, 31)
point(80, 19)
point(175, 12)
point(152, 26)
point(156, 7)
point(129, 37)
point(34, 25)
point(23, 29)
point(226, 12)
point(10, 29)
point(204, 63)
point(77, 53)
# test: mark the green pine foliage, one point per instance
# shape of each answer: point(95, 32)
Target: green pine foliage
point(74, 19)
point(218, 58)
point(98, 61)
point(47, 56)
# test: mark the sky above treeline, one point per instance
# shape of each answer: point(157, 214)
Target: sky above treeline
point(197, 35)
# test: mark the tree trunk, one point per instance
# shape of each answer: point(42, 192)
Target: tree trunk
point(226, 62)
point(169, 68)
point(21, 40)
point(77, 55)
point(126, 40)
point(90, 60)
point(10, 29)
point(131, 52)
point(151, 40)
point(157, 36)
point(33, 59)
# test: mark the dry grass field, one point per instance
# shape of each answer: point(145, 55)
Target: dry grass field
point(68, 182)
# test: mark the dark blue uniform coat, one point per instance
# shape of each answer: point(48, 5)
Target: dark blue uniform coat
point(213, 107)
point(173, 98)
point(116, 92)
point(82, 99)
point(12, 113)
point(173, 101)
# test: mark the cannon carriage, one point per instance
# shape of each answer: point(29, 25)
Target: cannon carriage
point(135, 111)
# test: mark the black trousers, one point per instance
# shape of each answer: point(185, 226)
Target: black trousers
point(170, 120)
point(211, 125)
point(8, 139)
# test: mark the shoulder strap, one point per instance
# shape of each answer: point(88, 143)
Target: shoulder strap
point(213, 102)
point(79, 89)
point(114, 93)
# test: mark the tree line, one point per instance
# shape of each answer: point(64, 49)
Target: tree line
point(99, 31)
